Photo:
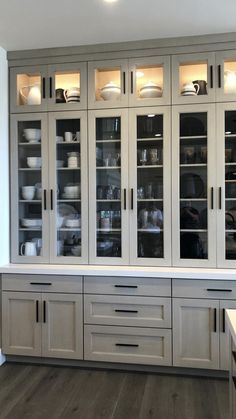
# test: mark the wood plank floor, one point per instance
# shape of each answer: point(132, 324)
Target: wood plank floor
point(45, 392)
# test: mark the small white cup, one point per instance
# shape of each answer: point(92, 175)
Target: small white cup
point(28, 192)
point(69, 137)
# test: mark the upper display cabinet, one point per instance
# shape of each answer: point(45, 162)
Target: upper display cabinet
point(226, 74)
point(54, 87)
point(134, 82)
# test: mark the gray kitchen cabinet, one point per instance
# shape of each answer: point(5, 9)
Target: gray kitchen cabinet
point(55, 87)
point(200, 333)
point(49, 187)
point(42, 324)
point(143, 81)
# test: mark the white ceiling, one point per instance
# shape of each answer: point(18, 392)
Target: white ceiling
point(26, 24)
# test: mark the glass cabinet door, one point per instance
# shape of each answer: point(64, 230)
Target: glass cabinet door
point(107, 84)
point(68, 187)
point(28, 89)
point(226, 76)
point(194, 186)
point(29, 163)
point(108, 200)
point(67, 86)
point(226, 222)
point(151, 187)
point(193, 78)
point(149, 81)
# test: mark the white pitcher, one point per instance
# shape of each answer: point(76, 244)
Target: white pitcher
point(31, 94)
point(28, 249)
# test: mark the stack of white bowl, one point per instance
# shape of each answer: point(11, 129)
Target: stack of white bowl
point(71, 192)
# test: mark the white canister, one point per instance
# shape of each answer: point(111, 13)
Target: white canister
point(73, 159)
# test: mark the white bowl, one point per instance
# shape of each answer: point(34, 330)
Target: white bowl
point(32, 134)
point(110, 91)
point(31, 222)
point(150, 90)
point(76, 250)
point(59, 139)
point(28, 192)
point(60, 163)
point(34, 162)
point(72, 222)
point(71, 189)
point(60, 221)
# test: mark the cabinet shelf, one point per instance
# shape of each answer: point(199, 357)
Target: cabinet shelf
point(29, 144)
point(30, 201)
point(230, 231)
point(230, 164)
point(150, 166)
point(108, 230)
point(193, 165)
point(69, 229)
point(66, 143)
point(30, 229)
point(107, 141)
point(108, 200)
point(193, 230)
point(67, 168)
point(69, 200)
point(150, 200)
point(30, 169)
point(193, 137)
point(150, 230)
point(193, 199)
point(108, 167)
point(230, 136)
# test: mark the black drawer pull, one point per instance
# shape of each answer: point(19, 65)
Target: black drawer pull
point(51, 193)
point(214, 329)
point(44, 311)
point(37, 311)
point(50, 87)
point(132, 198)
point(212, 198)
point(234, 355)
point(219, 76)
point(125, 204)
point(124, 83)
point(45, 199)
point(44, 88)
point(211, 76)
point(218, 290)
point(126, 311)
point(40, 283)
point(132, 345)
point(234, 381)
point(132, 82)
point(126, 286)
point(223, 320)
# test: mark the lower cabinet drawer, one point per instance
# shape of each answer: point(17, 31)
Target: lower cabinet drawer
point(127, 345)
point(201, 288)
point(42, 283)
point(127, 311)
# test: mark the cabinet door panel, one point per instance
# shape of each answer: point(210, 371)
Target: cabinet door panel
point(108, 184)
point(69, 188)
point(29, 188)
point(21, 326)
point(194, 186)
point(224, 334)
point(226, 76)
point(195, 336)
point(62, 329)
point(149, 164)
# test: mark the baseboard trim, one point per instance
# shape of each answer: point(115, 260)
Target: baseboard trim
point(120, 367)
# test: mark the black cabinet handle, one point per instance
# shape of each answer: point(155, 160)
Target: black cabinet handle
point(37, 311)
point(44, 311)
point(132, 345)
point(220, 198)
point(132, 198)
point(40, 283)
point(214, 327)
point(125, 203)
point(126, 311)
point(51, 193)
point(212, 198)
point(211, 76)
point(126, 286)
point(44, 199)
point(219, 76)
point(44, 88)
point(124, 83)
point(50, 87)
point(218, 290)
point(223, 320)
point(132, 82)
point(234, 381)
point(234, 355)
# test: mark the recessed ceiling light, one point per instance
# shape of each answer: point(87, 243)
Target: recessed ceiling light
point(110, 1)
point(139, 74)
point(151, 115)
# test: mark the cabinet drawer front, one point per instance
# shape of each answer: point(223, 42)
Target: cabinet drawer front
point(49, 283)
point(127, 344)
point(127, 311)
point(160, 287)
point(204, 289)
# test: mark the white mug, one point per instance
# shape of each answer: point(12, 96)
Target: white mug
point(69, 136)
point(28, 249)
point(60, 247)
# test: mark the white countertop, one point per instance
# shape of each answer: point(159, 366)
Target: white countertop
point(97, 270)
point(231, 321)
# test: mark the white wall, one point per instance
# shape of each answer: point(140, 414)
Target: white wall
point(4, 158)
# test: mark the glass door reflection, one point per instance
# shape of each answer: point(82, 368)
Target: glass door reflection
point(108, 186)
